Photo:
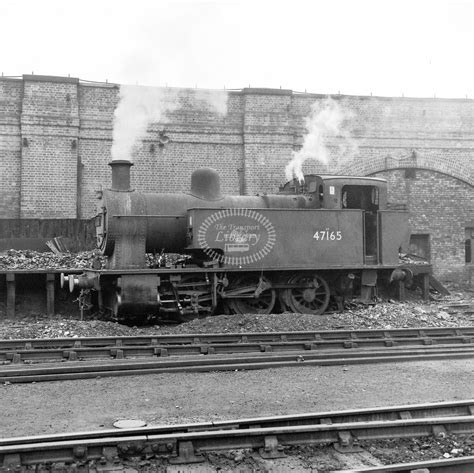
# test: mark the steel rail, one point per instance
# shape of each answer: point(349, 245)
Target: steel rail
point(133, 352)
point(184, 447)
point(451, 465)
point(16, 351)
point(80, 370)
point(385, 413)
point(240, 337)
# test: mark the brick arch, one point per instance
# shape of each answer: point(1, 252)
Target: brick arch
point(441, 164)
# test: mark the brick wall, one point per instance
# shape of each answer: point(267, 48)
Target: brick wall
point(10, 147)
point(268, 138)
point(97, 103)
point(49, 147)
point(56, 138)
point(440, 206)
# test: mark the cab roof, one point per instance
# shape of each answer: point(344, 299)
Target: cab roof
point(351, 178)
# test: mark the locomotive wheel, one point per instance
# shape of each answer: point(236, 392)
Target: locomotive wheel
point(263, 304)
point(312, 299)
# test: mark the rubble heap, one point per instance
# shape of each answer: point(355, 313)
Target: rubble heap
point(33, 260)
point(406, 258)
point(28, 259)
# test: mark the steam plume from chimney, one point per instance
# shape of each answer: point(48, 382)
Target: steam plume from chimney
point(139, 106)
point(325, 122)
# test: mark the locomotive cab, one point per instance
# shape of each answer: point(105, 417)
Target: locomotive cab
point(368, 194)
point(363, 193)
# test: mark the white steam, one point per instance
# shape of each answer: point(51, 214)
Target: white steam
point(216, 100)
point(140, 106)
point(324, 124)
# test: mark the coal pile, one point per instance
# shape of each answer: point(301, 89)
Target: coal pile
point(33, 260)
point(406, 258)
point(165, 260)
point(28, 259)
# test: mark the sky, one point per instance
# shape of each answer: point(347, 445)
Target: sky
point(411, 48)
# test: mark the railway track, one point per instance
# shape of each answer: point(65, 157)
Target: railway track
point(59, 349)
point(42, 359)
point(330, 338)
point(187, 443)
point(454, 465)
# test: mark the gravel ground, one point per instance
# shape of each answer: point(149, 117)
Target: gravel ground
point(454, 310)
point(45, 408)
point(194, 397)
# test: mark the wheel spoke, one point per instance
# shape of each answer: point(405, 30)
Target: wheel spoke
point(295, 299)
point(262, 305)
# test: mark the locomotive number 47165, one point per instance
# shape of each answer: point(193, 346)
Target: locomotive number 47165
point(328, 235)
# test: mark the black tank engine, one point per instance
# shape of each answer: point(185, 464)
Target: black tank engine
point(327, 237)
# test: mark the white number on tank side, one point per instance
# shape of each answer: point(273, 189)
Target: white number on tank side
point(328, 235)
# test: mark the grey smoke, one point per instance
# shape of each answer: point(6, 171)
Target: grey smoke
point(139, 106)
point(326, 124)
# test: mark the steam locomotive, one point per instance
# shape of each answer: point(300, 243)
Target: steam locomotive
point(312, 242)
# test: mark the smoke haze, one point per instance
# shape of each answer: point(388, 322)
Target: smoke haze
point(325, 123)
point(140, 106)
point(215, 100)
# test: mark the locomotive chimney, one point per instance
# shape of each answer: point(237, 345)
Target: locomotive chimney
point(121, 175)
